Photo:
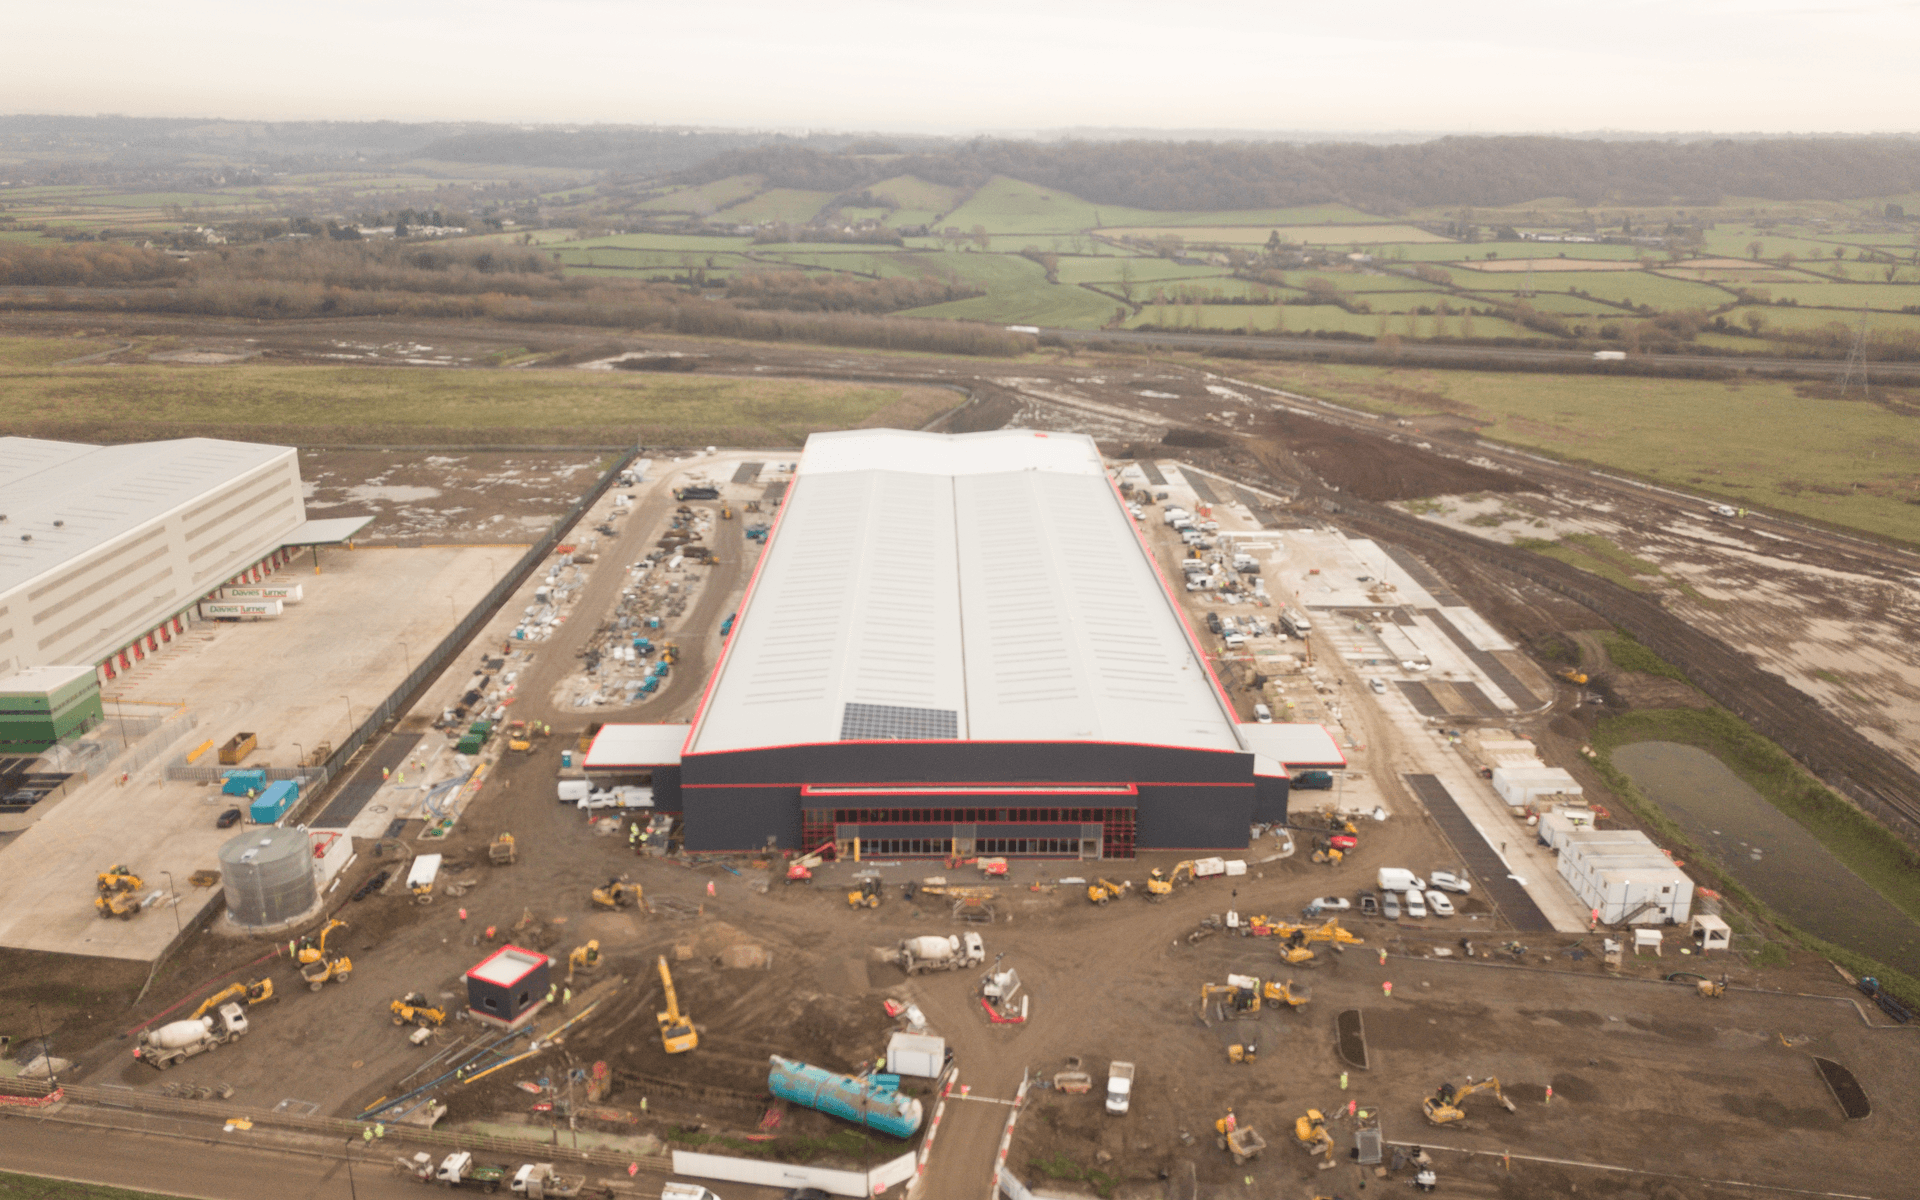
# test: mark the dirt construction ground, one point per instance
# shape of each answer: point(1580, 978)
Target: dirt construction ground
point(1656, 1092)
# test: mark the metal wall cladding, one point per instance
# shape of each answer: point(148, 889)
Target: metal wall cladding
point(268, 875)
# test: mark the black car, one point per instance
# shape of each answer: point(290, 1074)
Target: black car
point(229, 819)
point(1213, 622)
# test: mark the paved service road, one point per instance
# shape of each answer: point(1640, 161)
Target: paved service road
point(216, 1168)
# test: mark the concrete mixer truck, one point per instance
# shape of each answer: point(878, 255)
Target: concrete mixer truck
point(931, 952)
point(181, 1040)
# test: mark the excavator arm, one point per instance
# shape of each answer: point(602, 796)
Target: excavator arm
point(676, 1030)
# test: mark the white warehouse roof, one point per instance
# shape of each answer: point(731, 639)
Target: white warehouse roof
point(1296, 744)
point(60, 500)
point(984, 586)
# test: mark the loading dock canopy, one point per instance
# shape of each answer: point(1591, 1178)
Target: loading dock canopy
point(1299, 746)
point(326, 532)
point(635, 747)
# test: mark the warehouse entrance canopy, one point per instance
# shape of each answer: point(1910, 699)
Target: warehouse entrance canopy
point(327, 531)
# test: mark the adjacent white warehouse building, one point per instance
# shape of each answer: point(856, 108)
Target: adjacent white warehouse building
point(104, 550)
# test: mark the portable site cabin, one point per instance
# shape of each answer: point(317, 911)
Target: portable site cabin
point(1562, 822)
point(509, 986)
point(1520, 786)
point(1711, 933)
point(273, 803)
point(1625, 878)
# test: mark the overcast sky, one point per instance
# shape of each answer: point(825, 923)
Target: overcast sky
point(1482, 65)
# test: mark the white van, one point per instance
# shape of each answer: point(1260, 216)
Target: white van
point(573, 791)
point(1234, 641)
point(1263, 714)
point(1399, 879)
point(686, 1191)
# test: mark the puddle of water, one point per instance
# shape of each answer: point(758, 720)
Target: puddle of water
point(1770, 853)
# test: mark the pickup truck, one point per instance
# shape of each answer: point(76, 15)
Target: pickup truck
point(1119, 1087)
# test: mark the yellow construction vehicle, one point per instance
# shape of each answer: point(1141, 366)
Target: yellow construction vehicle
point(1331, 930)
point(1238, 998)
point(1243, 1144)
point(1326, 852)
point(1310, 1133)
point(867, 895)
point(413, 1009)
point(1578, 678)
point(118, 904)
point(313, 947)
point(501, 852)
point(1160, 883)
point(1104, 891)
point(1339, 824)
point(1243, 1055)
point(583, 958)
point(1294, 994)
point(1443, 1108)
point(337, 970)
point(617, 894)
point(726, 512)
point(258, 992)
point(676, 1028)
point(117, 879)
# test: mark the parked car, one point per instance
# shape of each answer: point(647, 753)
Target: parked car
point(229, 819)
point(1263, 714)
point(1416, 904)
point(1369, 904)
point(1331, 904)
point(1447, 881)
point(1377, 686)
point(1442, 907)
point(1214, 623)
point(1390, 905)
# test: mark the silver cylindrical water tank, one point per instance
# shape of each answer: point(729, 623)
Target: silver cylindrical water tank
point(268, 876)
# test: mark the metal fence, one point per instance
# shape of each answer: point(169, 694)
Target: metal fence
point(451, 645)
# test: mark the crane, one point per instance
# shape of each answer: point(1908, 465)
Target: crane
point(676, 1030)
point(1443, 1107)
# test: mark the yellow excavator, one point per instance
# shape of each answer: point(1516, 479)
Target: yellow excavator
point(1160, 883)
point(1575, 677)
point(1339, 824)
point(1294, 951)
point(317, 967)
point(1443, 1108)
point(258, 992)
point(1104, 891)
point(413, 1009)
point(617, 894)
point(867, 895)
point(313, 947)
point(1293, 994)
point(583, 958)
point(1310, 1133)
point(676, 1028)
point(1237, 1000)
point(117, 879)
point(1244, 1055)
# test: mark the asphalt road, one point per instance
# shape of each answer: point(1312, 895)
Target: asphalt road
point(1467, 354)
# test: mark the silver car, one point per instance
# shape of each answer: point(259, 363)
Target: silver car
point(1390, 905)
point(1416, 904)
point(1438, 902)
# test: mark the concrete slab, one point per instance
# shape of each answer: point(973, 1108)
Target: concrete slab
point(296, 682)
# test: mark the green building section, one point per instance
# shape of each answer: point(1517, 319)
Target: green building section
point(41, 706)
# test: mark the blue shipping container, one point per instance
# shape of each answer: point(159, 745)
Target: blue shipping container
point(274, 802)
point(239, 783)
point(863, 1101)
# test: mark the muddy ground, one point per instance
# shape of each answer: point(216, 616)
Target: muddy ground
point(468, 497)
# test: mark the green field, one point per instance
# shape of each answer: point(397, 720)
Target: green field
point(707, 197)
point(1842, 461)
point(776, 204)
point(44, 352)
point(1008, 206)
point(33, 1187)
point(323, 405)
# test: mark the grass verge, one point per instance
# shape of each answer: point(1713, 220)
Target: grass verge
point(33, 1187)
point(1628, 654)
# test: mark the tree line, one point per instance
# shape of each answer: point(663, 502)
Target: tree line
point(1481, 171)
point(800, 292)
